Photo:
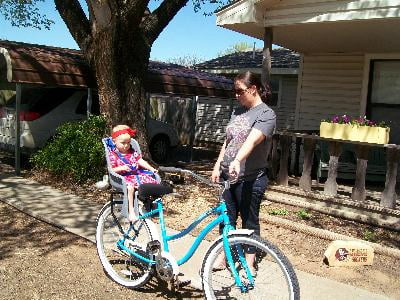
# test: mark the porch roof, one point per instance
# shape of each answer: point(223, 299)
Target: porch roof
point(45, 65)
point(318, 26)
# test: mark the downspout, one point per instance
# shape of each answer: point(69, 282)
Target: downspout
point(193, 127)
point(18, 130)
point(89, 102)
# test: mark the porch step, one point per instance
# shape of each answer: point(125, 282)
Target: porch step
point(342, 206)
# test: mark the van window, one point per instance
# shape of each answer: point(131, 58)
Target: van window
point(41, 100)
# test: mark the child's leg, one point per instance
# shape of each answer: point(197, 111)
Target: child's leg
point(131, 215)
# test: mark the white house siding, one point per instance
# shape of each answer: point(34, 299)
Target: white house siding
point(213, 115)
point(285, 113)
point(331, 84)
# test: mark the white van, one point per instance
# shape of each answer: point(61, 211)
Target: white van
point(45, 109)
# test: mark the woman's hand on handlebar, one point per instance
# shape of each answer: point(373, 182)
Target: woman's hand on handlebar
point(215, 175)
point(234, 169)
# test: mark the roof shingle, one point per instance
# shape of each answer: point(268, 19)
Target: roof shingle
point(281, 58)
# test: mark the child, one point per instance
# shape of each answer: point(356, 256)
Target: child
point(130, 164)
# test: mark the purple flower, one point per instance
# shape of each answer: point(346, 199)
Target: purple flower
point(346, 119)
point(360, 120)
point(335, 119)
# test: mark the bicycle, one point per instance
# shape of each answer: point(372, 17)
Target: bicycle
point(131, 253)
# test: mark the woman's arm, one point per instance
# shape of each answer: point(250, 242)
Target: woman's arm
point(216, 170)
point(253, 139)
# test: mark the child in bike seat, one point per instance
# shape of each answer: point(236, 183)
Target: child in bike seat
point(129, 163)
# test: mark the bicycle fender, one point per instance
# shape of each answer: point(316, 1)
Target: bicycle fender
point(241, 231)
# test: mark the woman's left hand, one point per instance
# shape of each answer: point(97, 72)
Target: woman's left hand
point(234, 169)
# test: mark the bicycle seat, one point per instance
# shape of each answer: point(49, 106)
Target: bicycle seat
point(151, 190)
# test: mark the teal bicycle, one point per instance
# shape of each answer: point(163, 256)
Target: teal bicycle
point(131, 253)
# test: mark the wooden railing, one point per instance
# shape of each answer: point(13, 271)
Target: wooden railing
point(284, 139)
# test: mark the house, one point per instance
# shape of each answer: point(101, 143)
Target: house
point(350, 54)
point(349, 63)
point(284, 70)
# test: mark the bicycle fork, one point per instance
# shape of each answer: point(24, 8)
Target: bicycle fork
point(243, 286)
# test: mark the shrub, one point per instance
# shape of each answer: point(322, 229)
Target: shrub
point(76, 150)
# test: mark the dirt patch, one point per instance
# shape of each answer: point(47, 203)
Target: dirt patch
point(48, 258)
point(40, 261)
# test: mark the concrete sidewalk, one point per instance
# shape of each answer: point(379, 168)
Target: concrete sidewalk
point(78, 216)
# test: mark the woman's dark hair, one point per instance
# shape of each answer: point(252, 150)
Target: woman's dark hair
point(249, 78)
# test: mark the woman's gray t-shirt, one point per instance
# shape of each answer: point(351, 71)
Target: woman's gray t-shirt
point(261, 117)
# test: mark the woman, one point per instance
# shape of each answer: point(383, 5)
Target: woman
point(243, 157)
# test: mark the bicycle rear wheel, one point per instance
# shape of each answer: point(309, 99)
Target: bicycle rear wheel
point(123, 268)
point(275, 277)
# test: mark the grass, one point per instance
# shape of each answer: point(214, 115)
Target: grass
point(304, 214)
point(278, 211)
point(369, 236)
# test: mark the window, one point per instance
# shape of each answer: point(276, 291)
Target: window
point(275, 85)
point(384, 90)
point(385, 85)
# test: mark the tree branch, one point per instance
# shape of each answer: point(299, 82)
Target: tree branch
point(75, 19)
point(154, 23)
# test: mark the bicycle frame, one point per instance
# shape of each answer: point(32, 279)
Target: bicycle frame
point(219, 210)
point(222, 217)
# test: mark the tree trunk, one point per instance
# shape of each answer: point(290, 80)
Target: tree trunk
point(120, 60)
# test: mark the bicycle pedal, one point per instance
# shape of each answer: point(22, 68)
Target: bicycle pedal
point(153, 247)
point(181, 283)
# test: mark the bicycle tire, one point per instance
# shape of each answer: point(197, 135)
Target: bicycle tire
point(275, 278)
point(124, 269)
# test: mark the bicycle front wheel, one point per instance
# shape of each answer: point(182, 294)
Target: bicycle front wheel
point(275, 277)
point(123, 268)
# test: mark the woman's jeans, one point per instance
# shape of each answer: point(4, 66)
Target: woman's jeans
point(244, 198)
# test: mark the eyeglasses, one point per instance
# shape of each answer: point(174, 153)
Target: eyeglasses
point(240, 92)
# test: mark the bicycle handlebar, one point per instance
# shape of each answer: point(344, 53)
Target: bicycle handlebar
point(170, 169)
point(191, 173)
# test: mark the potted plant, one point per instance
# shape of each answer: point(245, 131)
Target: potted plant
point(358, 129)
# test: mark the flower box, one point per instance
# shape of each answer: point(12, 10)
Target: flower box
point(351, 132)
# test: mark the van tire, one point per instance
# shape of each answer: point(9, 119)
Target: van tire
point(159, 148)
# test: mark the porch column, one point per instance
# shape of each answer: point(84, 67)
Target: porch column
point(334, 149)
point(358, 191)
point(266, 62)
point(388, 196)
point(305, 180)
point(283, 177)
